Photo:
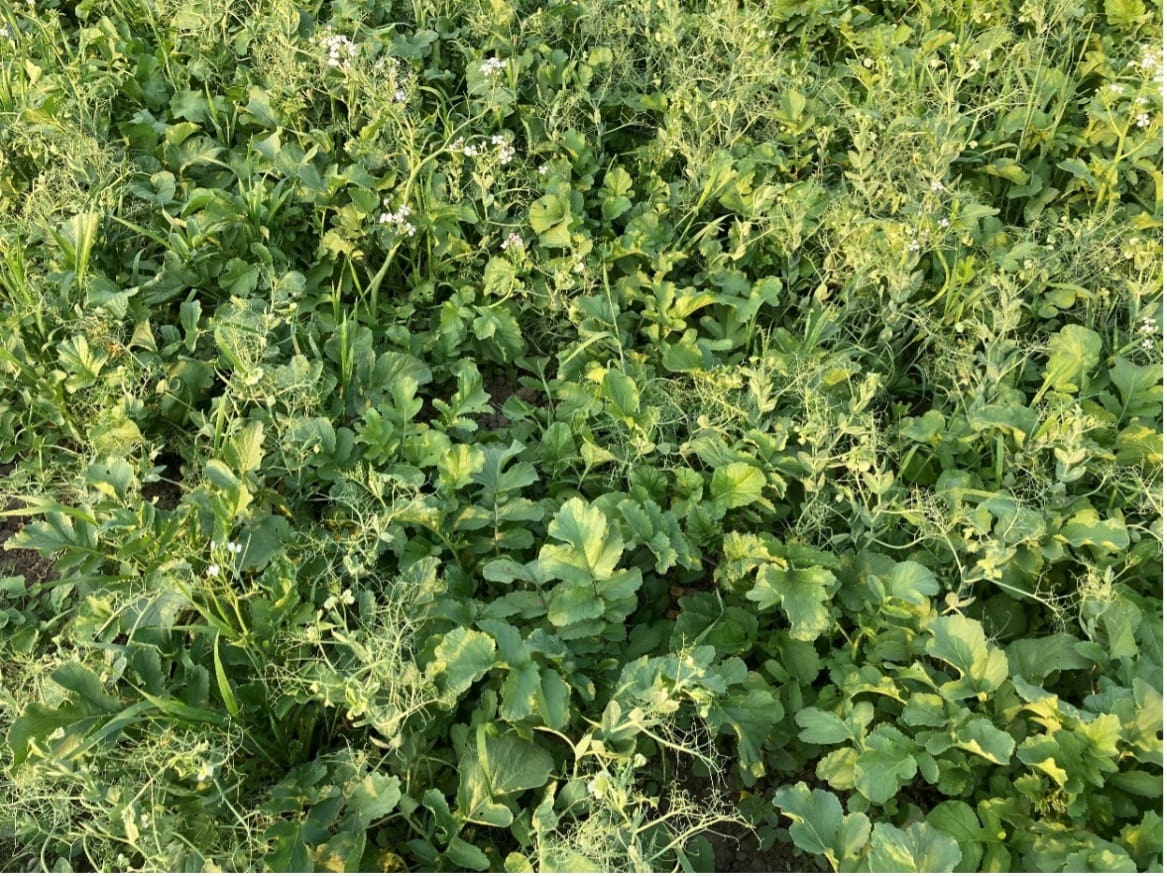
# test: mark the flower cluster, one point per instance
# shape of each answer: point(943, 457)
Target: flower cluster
point(1143, 119)
point(492, 66)
point(467, 149)
point(398, 219)
point(341, 50)
point(505, 150)
point(391, 66)
point(233, 547)
point(512, 240)
point(345, 598)
point(1148, 330)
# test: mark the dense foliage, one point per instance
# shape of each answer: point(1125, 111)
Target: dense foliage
point(479, 436)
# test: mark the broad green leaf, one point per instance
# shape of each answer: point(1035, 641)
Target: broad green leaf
point(886, 763)
point(341, 852)
point(752, 714)
point(289, 852)
point(497, 767)
point(571, 603)
point(464, 656)
point(498, 279)
point(549, 211)
point(981, 737)
point(1073, 353)
point(960, 642)
point(737, 484)
point(821, 727)
point(620, 390)
point(1139, 387)
point(374, 797)
point(553, 699)
point(803, 595)
point(819, 826)
point(919, 849)
point(683, 355)
point(1122, 14)
point(519, 693)
point(1086, 528)
point(458, 465)
point(912, 582)
point(925, 710)
point(816, 817)
point(1036, 659)
point(591, 547)
point(466, 856)
point(956, 819)
point(245, 449)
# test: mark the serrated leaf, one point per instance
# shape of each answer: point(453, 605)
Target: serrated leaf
point(981, 737)
point(912, 582)
point(1123, 14)
point(374, 797)
point(961, 643)
point(819, 826)
point(816, 817)
point(886, 763)
point(497, 767)
point(752, 714)
point(464, 656)
point(919, 849)
point(519, 693)
point(1086, 528)
point(591, 547)
point(737, 484)
point(1035, 659)
point(1139, 387)
point(1073, 353)
point(620, 390)
point(803, 595)
point(821, 727)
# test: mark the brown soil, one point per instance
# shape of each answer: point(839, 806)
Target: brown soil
point(740, 852)
point(163, 494)
point(29, 565)
point(500, 387)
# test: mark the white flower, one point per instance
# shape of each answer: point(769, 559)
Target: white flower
point(1148, 344)
point(213, 570)
point(1142, 120)
point(1116, 88)
point(234, 547)
point(914, 246)
point(5, 32)
point(505, 154)
point(491, 66)
point(397, 219)
point(204, 773)
point(868, 63)
point(498, 139)
point(399, 95)
point(542, 170)
point(599, 784)
point(514, 240)
point(944, 223)
point(341, 50)
point(937, 185)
